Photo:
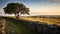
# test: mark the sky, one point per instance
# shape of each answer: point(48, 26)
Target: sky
point(36, 7)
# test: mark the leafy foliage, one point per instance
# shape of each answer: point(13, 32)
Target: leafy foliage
point(16, 8)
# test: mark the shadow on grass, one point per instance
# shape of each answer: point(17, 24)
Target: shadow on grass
point(19, 26)
point(30, 27)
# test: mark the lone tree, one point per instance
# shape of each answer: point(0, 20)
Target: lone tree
point(16, 8)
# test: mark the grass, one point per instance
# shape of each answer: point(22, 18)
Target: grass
point(46, 20)
point(12, 25)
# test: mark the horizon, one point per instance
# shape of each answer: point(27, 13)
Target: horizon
point(37, 7)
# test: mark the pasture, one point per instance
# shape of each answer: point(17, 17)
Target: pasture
point(48, 20)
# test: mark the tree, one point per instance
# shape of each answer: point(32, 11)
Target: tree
point(16, 8)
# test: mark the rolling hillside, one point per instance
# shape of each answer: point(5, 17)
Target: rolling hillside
point(23, 26)
point(17, 26)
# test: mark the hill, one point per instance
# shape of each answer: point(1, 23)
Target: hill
point(22, 26)
point(17, 26)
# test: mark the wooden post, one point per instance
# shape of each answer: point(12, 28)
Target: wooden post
point(2, 26)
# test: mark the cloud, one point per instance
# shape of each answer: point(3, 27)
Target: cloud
point(57, 1)
point(50, 1)
point(1, 12)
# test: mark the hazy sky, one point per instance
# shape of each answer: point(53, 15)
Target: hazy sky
point(37, 7)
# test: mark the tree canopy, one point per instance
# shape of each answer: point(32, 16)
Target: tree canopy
point(16, 8)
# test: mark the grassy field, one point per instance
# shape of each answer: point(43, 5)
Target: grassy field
point(12, 25)
point(46, 20)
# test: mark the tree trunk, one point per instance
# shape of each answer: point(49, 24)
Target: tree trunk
point(17, 15)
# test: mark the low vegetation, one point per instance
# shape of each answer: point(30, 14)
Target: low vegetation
point(18, 27)
point(22, 26)
point(48, 20)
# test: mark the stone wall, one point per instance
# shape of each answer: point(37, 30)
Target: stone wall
point(2, 26)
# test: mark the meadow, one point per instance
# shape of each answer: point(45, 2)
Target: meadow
point(32, 25)
point(17, 26)
point(43, 19)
